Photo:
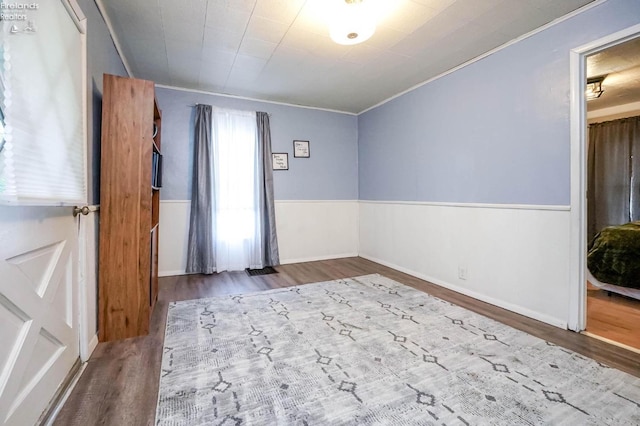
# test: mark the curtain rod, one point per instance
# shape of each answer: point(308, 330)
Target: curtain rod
point(195, 105)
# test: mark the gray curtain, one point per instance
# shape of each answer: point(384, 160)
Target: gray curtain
point(270, 254)
point(201, 249)
point(613, 196)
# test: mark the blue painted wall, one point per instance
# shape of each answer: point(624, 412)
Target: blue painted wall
point(102, 58)
point(496, 131)
point(331, 173)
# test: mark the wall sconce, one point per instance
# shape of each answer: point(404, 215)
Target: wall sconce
point(594, 87)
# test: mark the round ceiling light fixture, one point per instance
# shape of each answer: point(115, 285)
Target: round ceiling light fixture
point(353, 22)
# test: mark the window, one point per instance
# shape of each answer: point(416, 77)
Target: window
point(43, 161)
point(234, 153)
point(236, 191)
point(2, 122)
point(2, 151)
point(232, 224)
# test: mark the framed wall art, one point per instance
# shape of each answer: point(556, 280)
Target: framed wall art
point(280, 160)
point(301, 149)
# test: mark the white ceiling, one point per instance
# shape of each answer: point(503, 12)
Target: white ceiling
point(280, 50)
point(621, 65)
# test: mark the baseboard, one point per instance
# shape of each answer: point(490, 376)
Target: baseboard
point(171, 273)
point(499, 303)
point(316, 258)
point(86, 349)
point(92, 346)
point(282, 262)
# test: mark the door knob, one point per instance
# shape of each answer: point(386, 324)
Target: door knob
point(84, 210)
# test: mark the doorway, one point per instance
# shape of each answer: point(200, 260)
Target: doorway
point(610, 68)
point(613, 196)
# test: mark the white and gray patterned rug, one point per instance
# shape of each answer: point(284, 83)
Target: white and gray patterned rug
point(370, 350)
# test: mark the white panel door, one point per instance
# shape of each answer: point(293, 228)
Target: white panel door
point(38, 325)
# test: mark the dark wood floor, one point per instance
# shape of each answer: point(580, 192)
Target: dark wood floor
point(120, 383)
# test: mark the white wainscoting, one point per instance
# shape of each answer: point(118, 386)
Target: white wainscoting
point(316, 230)
point(307, 230)
point(516, 257)
point(174, 237)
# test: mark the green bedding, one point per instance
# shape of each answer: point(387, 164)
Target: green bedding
point(614, 255)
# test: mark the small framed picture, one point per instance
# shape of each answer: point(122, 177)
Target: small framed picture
point(280, 160)
point(301, 149)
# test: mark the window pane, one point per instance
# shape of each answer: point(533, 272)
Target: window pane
point(2, 123)
point(235, 166)
point(42, 86)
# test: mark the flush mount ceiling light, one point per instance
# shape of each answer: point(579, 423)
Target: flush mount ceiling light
point(594, 87)
point(353, 22)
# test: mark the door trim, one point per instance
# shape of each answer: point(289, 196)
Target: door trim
point(578, 229)
point(87, 306)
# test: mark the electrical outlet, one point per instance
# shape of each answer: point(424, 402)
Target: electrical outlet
point(462, 272)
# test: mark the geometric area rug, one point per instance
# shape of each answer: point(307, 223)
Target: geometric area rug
point(369, 350)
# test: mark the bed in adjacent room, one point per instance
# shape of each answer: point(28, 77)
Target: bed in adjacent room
point(613, 260)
